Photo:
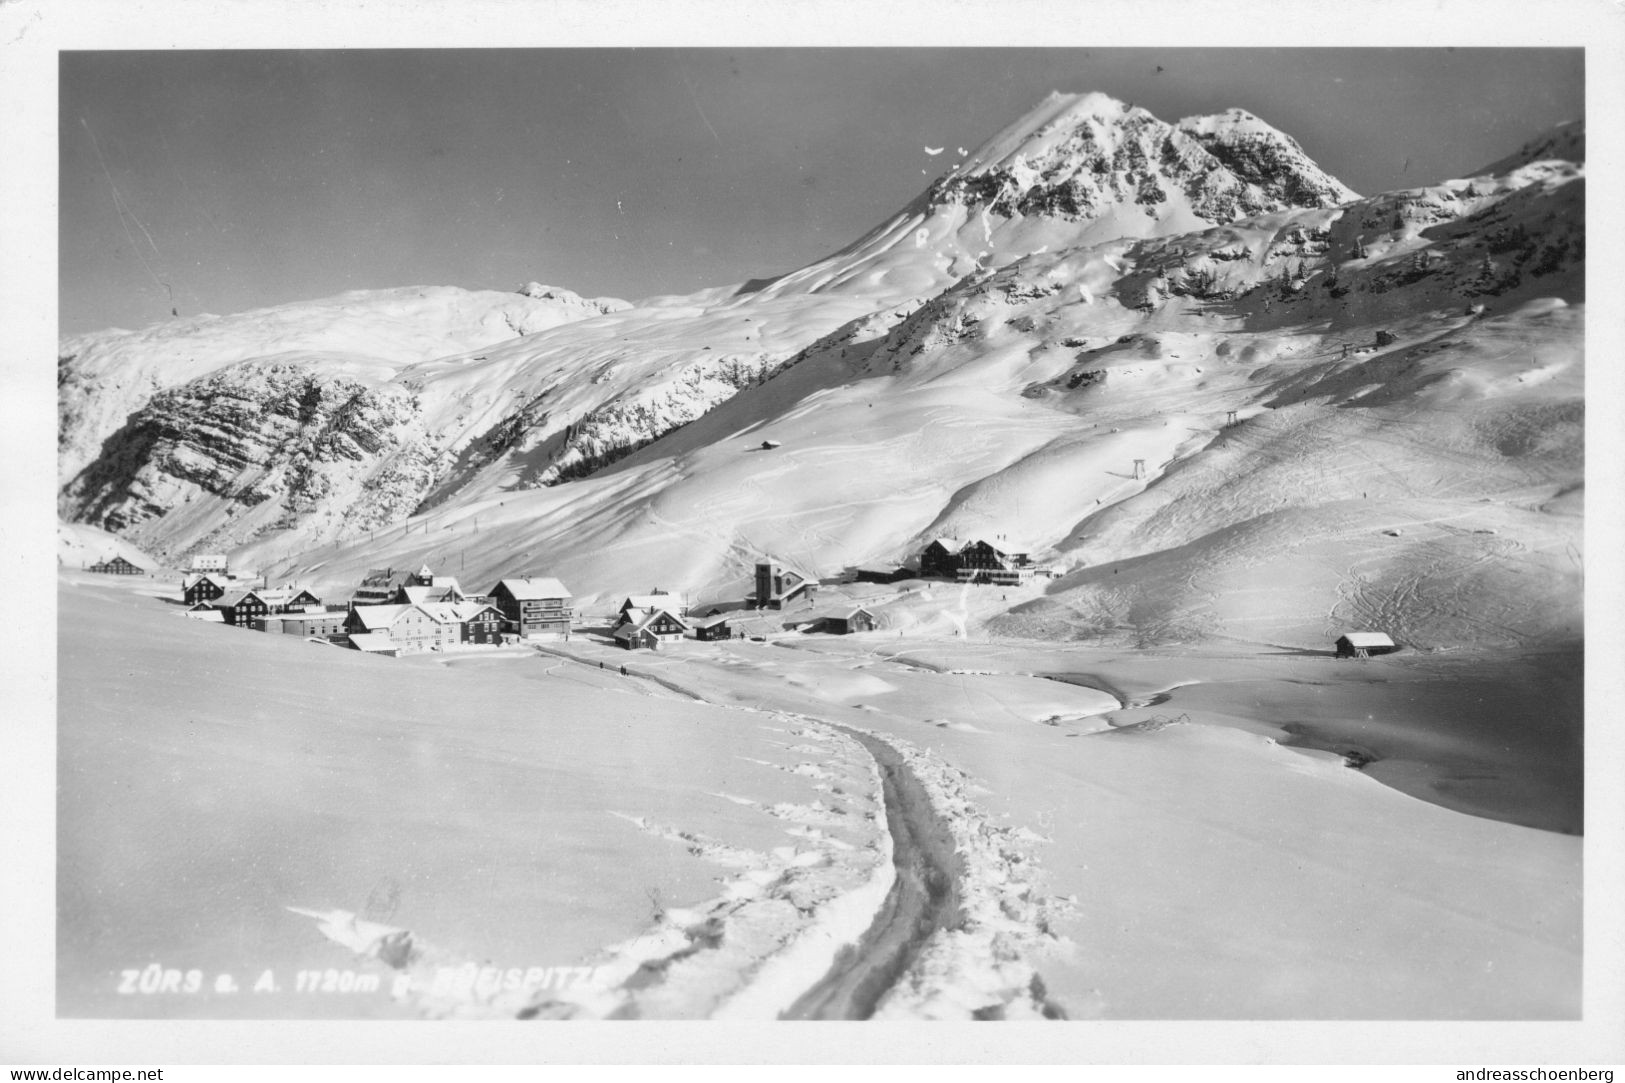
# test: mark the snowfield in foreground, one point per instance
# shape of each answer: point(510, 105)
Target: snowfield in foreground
point(517, 812)
point(518, 833)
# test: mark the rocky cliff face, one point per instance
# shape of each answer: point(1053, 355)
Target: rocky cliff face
point(258, 447)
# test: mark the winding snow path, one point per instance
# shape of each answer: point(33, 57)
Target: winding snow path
point(923, 899)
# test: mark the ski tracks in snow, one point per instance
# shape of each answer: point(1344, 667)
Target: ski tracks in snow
point(824, 912)
point(984, 966)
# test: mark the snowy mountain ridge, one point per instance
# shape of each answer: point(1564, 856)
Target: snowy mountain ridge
point(988, 361)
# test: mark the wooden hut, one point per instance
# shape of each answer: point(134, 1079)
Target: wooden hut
point(1364, 644)
point(856, 620)
point(713, 627)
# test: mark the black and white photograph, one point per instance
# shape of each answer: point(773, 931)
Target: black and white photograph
point(555, 526)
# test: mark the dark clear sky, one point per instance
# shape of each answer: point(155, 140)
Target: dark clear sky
point(222, 181)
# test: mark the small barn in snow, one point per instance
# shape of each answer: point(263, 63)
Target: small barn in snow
point(835, 622)
point(1364, 644)
point(712, 627)
point(857, 620)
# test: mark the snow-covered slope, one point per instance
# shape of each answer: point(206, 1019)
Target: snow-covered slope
point(486, 393)
point(1379, 400)
point(80, 546)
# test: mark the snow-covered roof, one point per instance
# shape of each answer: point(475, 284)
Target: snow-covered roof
point(638, 619)
point(1367, 639)
point(419, 595)
point(710, 622)
point(205, 614)
point(826, 612)
point(646, 601)
point(441, 612)
point(467, 611)
point(536, 587)
point(225, 601)
point(378, 616)
point(372, 642)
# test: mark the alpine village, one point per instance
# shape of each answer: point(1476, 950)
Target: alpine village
point(394, 612)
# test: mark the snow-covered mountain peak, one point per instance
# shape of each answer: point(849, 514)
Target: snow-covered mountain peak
point(1078, 156)
point(1035, 131)
point(1077, 169)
